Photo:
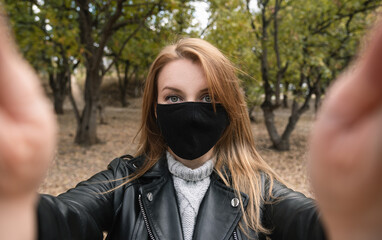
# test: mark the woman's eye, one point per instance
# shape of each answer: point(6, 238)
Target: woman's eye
point(207, 98)
point(173, 99)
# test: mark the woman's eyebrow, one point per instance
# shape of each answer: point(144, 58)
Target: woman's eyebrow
point(204, 90)
point(172, 89)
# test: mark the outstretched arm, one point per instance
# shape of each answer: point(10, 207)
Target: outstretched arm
point(346, 149)
point(27, 140)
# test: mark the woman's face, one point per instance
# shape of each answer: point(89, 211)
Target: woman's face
point(182, 81)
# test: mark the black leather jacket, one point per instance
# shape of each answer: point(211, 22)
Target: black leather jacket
point(147, 209)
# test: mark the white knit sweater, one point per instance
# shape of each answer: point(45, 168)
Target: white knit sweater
point(190, 185)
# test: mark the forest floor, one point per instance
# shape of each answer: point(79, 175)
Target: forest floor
point(73, 163)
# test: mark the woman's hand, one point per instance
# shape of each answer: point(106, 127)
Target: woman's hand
point(346, 149)
point(27, 140)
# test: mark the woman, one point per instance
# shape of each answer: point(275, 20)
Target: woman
point(194, 117)
point(197, 174)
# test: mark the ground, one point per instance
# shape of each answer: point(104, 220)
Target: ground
point(73, 163)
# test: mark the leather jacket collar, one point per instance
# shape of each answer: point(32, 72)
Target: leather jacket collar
point(218, 208)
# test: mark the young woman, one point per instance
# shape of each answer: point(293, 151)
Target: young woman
point(197, 174)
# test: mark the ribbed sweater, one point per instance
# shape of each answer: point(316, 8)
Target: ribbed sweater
point(190, 185)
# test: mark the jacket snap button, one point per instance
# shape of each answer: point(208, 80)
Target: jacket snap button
point(235, 202)
point(149, 196)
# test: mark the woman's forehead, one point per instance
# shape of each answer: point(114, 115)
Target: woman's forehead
point(182, 74)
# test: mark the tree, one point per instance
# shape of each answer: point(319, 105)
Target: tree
point(132, 61)
point(47, 35)
point(297, 46)
point(228, 28)
point(310, 68)
point(57, 35)
point(98, 21)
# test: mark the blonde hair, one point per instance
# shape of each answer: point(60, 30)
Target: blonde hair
point(237, 162)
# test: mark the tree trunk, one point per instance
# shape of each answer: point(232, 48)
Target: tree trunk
point(285, 95)
point(58, 104)
point(137, 82)
point(279, 74)
point(73, 101)
point(123, 82)
point(87, 128)
point(317, 100)
point(296, 113)
point(282, 145)
point(285, 100)
point(123, 97)
point(58, 83)
point(269, 119)
point(250, 113)
point(267, 106)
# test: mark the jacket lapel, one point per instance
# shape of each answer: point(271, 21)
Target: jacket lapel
point(217, 218)
point(159, 200)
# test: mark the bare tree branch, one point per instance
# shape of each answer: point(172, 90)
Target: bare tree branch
point(142, 22)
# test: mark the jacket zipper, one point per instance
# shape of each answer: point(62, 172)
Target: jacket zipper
point(147, 222)
point(235, 235)
point(151, 235)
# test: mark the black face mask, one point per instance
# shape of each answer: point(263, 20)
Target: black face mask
point(191, 129)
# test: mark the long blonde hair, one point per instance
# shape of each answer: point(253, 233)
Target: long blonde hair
point(237, 162)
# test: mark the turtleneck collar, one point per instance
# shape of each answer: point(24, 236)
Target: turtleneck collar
point(179, 170)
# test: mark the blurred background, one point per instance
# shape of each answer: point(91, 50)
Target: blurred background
point(92, 58)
